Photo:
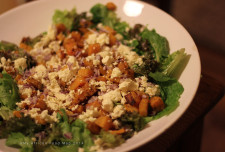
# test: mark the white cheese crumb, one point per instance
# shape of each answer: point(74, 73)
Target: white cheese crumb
point(117, 111)
point(102, 39)
point(109, 98)
point(91, 38)
point(65, 74)
point(153, 90)
point(131, 56)
point(116, 72)
point(89, 115)
point(25, 91)
point(128, 85)
point(20, 63)
point(40, 71)
point(107, 60)
point(116, 123)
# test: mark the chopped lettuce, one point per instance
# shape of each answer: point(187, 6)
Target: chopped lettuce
point(109, 140)
point(6, 113)
point(69, 136)
point(18, 140)
point(159, 43)
point(64, 17)
point(175, 63)
point(12, 51)
point(24, 125)
point(107, 17)
point(9, 93)
point(134, 120)
point(171, 91)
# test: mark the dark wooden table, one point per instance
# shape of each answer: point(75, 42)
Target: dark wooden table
point(185, 135)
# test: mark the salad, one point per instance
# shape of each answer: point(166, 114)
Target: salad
point(87, 84)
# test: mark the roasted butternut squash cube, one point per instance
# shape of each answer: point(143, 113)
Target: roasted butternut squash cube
point(105, 122)
point(85, 72)
point(78, 82)
point(143, 107)
point(94, 48)
point(117, 132)
point(156, 103)
point(95, 129)
point(94, 104)
point(130, 108)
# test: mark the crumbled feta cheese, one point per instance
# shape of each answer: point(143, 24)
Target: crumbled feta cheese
point(123, 100)
point(3, 61)
point(117, 112)
point(109, 98)
point(116, 123)
point(107, 60)
point(116, 72)
point(54, 45)
point(131, 56)
point(20, 63)
point(93, 59)
point(65, 74)
point(47, 38)
point(54, 62)
point(49, 118)
point(102, 39)
point(89, 115)
point(40, 72)
point(33, 112)
point(119, 36)
point(128, 85)
point(153, 90)
point(25, 91)
point(101, 85)
point(53, 103)
point(91, 38)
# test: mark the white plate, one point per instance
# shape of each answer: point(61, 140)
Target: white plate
point(35, 17)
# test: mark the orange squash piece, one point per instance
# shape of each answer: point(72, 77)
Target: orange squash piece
point(117, 132)
point(156, 103)
point(130, 108)
point(94, 104)
point(17, 114)
point(143, 107)
point(94, 48)
point(78, 82)
point(111, 6)
point(105, 122)
point(85, 72)
point(95, 129)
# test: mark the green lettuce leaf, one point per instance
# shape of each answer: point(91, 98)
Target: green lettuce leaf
point(175, 63)
point(24, 125)
point(18, 140)
point(107, 17)
point(12, 51)
point(110, 140)
point(171, 91)
point(135, 121)
point(9, 93)
point(158, 43)
point(6, 113)
point(81, 134)
point(69, 136)
point(64, 17)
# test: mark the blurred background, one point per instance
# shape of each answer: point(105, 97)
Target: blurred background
point(205, 21)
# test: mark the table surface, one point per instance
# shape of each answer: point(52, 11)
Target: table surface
point(209, 93)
